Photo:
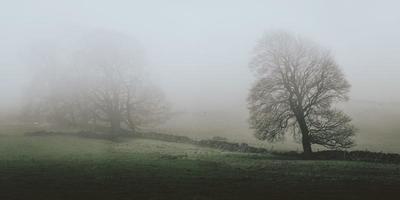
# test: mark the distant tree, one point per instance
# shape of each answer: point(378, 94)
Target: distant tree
point(297, 83)
point(103, 81)
point(118, 87)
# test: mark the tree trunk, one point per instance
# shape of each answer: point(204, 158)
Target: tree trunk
point(94, 125)
point(306, 145)
point(115, 126)
point(304, 135)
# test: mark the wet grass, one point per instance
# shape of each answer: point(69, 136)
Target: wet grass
point(66, 167)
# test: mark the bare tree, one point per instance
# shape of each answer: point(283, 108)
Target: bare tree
point(118, 86)
point(103, 81)
point(297, 83)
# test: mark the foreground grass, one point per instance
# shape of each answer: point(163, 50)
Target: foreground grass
point(62, 167)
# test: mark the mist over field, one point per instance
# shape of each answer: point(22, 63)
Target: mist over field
point(198, 53)
point(185, 99)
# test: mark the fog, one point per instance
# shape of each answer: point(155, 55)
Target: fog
point(198, 53)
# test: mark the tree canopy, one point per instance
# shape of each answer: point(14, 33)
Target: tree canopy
point(100, 82)
point(297, 84)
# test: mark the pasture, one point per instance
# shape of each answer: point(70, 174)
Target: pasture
point(68, 167)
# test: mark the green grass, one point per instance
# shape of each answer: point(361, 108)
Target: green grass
point(66, 167)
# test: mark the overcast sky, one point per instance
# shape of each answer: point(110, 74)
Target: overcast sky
point(198, 51)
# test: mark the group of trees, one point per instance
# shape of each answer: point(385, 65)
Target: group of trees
point(103, 82)
point(100, 82)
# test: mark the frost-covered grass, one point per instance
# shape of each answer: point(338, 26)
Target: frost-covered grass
point(67, 167)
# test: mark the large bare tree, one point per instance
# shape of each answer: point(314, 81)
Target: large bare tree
point(297, 84)
point(102, 81)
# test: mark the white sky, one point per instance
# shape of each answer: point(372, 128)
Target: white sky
point(198, 50)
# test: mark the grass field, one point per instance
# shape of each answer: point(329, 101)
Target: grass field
point(67, 167)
